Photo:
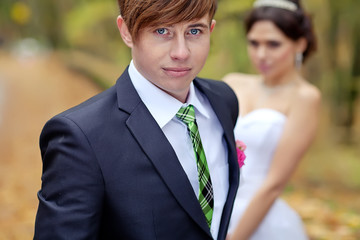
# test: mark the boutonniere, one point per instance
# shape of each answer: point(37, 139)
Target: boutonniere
point(240, 148)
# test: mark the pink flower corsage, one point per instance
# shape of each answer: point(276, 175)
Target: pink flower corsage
point(240, 148)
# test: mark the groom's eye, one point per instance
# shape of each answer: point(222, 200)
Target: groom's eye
point(162, 31)
point(195, 31)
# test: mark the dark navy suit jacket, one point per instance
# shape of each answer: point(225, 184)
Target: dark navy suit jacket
point(109, 172)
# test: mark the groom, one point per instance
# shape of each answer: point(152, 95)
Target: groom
point(126, 164)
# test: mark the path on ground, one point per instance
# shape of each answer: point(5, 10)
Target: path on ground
point(31, 91)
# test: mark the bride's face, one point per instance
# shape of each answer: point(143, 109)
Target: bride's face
point(270, 50)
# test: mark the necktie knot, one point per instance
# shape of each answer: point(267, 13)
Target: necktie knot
point(186, 114)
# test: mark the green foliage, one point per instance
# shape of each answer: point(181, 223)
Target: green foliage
point(86, 22)
point(92, 27)
point(5, 10)
point(228, 50)
point(230, 8)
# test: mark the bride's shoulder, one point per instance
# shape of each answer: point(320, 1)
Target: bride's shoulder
point(308, 96)
point(308, 92)
point(237, 79)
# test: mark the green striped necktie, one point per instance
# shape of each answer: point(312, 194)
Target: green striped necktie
point(206, 193)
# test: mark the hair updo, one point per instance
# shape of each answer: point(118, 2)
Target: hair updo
point(294, 24)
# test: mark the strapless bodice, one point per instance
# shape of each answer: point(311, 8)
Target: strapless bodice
point(260, 130)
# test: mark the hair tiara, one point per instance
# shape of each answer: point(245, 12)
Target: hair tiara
point(284, 4)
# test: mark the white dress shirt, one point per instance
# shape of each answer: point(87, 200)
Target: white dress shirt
point(163, 108)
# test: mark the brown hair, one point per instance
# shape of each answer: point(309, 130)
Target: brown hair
point(294, 24)
point(138, 14)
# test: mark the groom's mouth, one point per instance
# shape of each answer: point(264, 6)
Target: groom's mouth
point(177, 71)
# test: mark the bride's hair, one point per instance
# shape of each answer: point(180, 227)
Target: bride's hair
point(295, 24)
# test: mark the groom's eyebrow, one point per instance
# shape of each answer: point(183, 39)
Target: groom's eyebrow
point(195, 25)
point(198, 25)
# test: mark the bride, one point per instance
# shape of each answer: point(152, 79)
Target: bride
point(278, 119)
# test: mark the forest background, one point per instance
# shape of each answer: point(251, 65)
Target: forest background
point(80, 40)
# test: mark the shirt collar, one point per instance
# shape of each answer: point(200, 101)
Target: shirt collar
point(161, 105)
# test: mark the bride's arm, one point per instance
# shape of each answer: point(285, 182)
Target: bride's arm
point(299, 131)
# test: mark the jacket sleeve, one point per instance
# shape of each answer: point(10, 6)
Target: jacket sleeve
point(71, 195)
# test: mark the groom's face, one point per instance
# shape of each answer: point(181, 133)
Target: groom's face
point(170, 56)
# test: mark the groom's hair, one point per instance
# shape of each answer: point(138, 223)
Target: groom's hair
point(138, 14)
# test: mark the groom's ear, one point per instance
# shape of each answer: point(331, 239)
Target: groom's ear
point(212, 25)
point(124, 32)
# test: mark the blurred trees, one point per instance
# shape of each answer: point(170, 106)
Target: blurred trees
point(90, 26)
point(343, 39)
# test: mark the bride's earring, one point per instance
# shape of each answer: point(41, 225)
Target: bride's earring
point(298, 60)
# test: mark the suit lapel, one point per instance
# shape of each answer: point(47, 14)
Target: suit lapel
point(158, 149)
point(217, 103)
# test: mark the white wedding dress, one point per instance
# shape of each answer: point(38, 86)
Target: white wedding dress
point(260, 130)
